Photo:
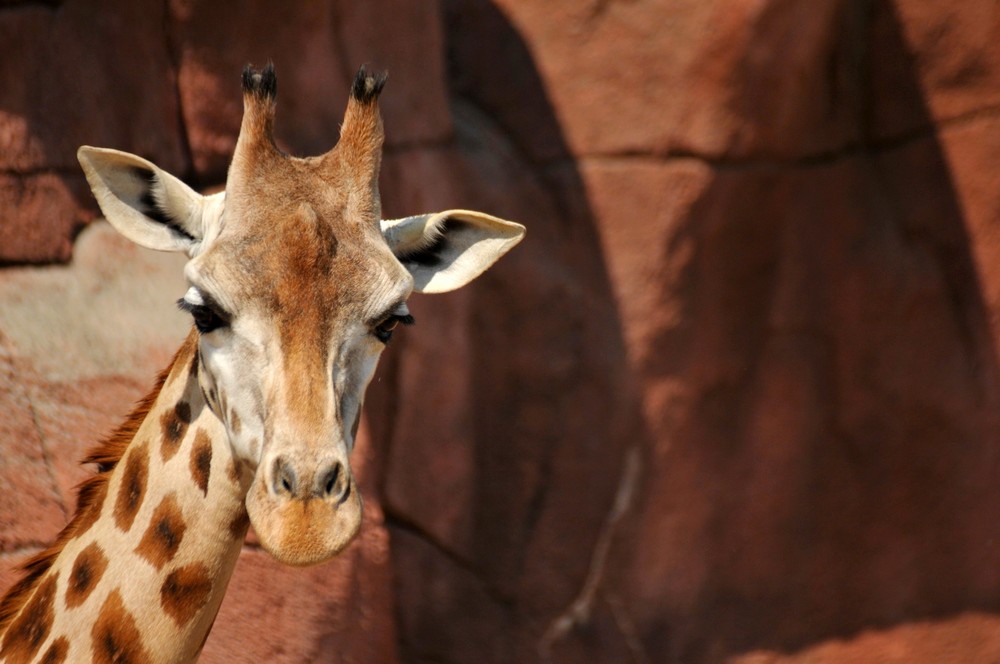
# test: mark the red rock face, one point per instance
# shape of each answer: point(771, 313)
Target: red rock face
point(733, 399)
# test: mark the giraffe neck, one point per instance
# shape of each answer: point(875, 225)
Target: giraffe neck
point(139, 573)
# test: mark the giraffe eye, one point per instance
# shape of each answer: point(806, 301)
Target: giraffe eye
point(206, 318)
point(383, 331)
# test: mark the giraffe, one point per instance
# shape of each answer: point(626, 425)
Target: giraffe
point(296, 285)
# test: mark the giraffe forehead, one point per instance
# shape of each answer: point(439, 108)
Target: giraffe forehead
point(300, 267)
point(286, 224)
point(282, 195)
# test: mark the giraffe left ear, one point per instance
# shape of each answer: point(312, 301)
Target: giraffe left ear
point(446, 250)
point(142, 201)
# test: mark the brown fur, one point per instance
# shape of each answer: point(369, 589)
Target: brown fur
point(29, 630)
point(56, 654)
point(201, 460)
point(87, 572)
point(240, 523)
point(116, 639)
point(90, 495)
point(174, 424)
point(185, 592)
point(133, 486)
point(165, 533)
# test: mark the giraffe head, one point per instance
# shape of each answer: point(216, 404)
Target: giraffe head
point(296, 285)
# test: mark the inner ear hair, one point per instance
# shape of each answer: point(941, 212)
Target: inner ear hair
point(430, 253)
point(150, 202)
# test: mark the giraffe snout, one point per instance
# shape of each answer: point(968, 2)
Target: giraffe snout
point(331, 482)
point(304, 510)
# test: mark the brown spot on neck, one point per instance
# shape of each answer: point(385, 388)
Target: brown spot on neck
point(90, 503)
point(239, 474)
point(164, 535)
point(201, 460)
point(240, 524)
point(57, 652)
point(132, 489)
point(174, 424)
point(87, 572)
point(29, 630)
point(185, 592)
point(116, 639)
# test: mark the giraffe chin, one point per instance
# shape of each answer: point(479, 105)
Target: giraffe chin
point(302, 532)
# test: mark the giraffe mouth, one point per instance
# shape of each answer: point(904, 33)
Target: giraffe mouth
point(304, 522)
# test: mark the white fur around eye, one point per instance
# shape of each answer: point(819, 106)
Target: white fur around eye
point(193, 297)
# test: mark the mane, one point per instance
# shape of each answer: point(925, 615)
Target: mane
point(106, 455)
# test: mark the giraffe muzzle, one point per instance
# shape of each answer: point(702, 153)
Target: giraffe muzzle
point(304, 513)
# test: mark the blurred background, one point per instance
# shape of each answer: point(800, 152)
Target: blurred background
point(734, 399)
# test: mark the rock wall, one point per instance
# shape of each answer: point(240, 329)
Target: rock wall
point(733, 399)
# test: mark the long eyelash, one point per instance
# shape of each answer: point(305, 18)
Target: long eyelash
point(406, 319)
point(209, 303)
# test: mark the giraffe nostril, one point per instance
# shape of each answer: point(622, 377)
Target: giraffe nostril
point(334, 483)
point(330, 482)
point(284, 481)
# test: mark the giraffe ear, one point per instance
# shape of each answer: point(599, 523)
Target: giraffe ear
point(143, 202)
point(446, 250)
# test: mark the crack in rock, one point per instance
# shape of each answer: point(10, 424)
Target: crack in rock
point(46, 455)
point(9, 362)
point(579, 611)
point(627, 628)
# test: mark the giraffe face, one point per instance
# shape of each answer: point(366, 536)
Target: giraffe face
point(295, 286)
point(293, 294)
point(286, 356)
point(291, 353)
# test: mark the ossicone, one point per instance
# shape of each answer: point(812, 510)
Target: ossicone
point(256, 140)
point(367, 87)
point(262, 84)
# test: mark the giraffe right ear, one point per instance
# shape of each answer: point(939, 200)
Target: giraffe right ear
point(446, 250)
point(144, 203)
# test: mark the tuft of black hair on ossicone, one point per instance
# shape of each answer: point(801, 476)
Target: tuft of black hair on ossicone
point(366, 87)
point(263, 84)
